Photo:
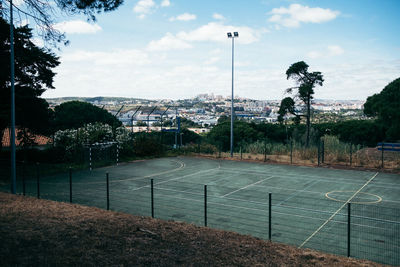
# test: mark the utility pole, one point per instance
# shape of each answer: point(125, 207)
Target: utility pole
point(235, 35)
point(12, 128)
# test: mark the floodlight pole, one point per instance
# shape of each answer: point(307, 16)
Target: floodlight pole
point(12, 128)
point(235, 35)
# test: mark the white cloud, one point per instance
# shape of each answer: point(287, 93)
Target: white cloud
point(184, 17)
point(212, 31)
point(116, 58)
point(330, 51)
point(335, 50)
point(216, 32)
point(212, 61)
point(144, 7)
point(165, 3)
point(296, 14)
point(218, 16)
point(168, 42)
point(77, 26)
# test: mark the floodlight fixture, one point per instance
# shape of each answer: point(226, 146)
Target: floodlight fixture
point(229, 35)
point(236, 34)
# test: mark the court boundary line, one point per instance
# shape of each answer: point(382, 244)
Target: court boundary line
point(244, 187)
point(182, 165)
point(336, 212)
point(291, 176)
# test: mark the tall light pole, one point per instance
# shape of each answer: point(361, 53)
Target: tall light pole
point(12, 127)
point(235, 35)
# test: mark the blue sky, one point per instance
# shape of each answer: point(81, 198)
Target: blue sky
point(177, 49)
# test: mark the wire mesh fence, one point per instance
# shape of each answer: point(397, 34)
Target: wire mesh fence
point(366, 231)
point(327, 151)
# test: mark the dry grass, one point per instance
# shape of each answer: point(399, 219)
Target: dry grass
point(46, 233)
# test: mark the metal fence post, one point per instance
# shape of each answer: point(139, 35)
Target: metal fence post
point(269, 217)
point(70, 185)
point(323, 152)
point(117, 154)
point(291, 151)
point(205, 205)
point(152, 198)
point(90, 157)
point(108, 191)
point(38, 179)
point(382, 154)
point(265, 151)
point(23, 178)
point(351, 153)
point(241, 153)
point(348, 229)
point(319, 153)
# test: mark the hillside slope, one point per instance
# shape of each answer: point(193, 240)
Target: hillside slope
point(41, 232)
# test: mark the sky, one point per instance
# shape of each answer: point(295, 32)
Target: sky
point(177, 49)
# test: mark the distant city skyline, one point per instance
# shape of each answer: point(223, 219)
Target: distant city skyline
point(175, 49)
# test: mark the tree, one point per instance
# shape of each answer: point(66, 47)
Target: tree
point(306, 82)
point(75, 114)
point(43, 13)
point(33, 76)
point(386, 107)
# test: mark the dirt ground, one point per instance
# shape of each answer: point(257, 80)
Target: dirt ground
point(46, 233)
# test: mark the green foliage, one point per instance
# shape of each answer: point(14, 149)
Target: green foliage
point(305, 90)
point(33, 76)
point(287, 106)
point(75, 114)
point(141, 123)
point(386, 106)
point(147, 145)
point(243, 133)
point(186, 123)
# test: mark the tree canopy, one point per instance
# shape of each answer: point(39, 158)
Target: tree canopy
point(306, 81)
point(43, 13)
point(386, 107)
point(75, 114)
point(33, 75)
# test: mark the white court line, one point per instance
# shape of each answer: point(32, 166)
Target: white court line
point(178, 178)
point(244, 187)
point(298, 192)
point(182, 165)
point(336, 212)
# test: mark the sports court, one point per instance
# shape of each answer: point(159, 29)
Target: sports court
point(309, 206)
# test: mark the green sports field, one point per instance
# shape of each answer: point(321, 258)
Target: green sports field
point(309, 206)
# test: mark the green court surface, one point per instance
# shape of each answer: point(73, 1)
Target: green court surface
point(309, 206)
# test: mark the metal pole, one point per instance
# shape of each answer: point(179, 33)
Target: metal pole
point(351, 154)
point(38, 180)
point(241, 153)
point(269, 217)
point(23, 179)
point(291, 151)
point(152, 198)
point(117, 153)
point(323, 151)
point(265, 151)
point(12, 128)
point(205, 205)
point(70, 185)
point(319, 153)
point(90, 157)
point(108, 191)
point(382, 154)
point(348, 229)
point(233, 47)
